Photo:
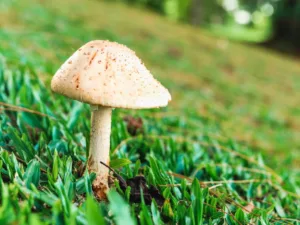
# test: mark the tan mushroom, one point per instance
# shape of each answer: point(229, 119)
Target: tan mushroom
point(107, 75)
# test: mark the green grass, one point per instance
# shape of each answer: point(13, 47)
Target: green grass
point(234, 117)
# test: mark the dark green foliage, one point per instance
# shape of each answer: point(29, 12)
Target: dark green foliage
point(94, 215)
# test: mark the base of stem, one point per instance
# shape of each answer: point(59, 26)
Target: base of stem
point(99, 188)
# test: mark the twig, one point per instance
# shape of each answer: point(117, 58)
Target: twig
point(286, 219)
point(283, 190)
point(214, 186)
point(22, 109)
point(235, 181)
point(115, 173)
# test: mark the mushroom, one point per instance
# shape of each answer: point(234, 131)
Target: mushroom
point(107, 75)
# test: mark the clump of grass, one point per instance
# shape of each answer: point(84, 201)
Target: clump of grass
point(43, 142)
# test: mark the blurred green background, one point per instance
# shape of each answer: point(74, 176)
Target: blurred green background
point(275, 23)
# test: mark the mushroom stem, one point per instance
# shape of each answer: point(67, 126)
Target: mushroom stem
point(99, 148)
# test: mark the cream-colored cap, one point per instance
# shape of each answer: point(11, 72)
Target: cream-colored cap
point(109, 74)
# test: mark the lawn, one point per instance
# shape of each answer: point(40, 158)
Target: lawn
point(225, 150)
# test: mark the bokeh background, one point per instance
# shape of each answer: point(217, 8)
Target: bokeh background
point(272, 23)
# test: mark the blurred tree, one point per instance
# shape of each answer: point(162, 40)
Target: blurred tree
point(177, 9)
point(184, 9)
point(205, 12)
point(157, 5)
point(286, 22)
point(196, 16)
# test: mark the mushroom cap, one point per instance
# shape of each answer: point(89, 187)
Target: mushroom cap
point(109, 74)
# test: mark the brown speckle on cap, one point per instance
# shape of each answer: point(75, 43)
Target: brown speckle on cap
point(93, 57)
point(76, 80)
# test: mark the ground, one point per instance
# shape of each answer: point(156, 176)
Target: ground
point(233, 116)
